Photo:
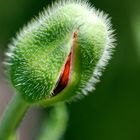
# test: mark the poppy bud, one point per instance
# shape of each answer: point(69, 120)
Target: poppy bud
point(61, 54)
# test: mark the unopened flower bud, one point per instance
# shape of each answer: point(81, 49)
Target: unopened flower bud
point(61, 54)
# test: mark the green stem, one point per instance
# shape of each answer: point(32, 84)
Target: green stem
point(13, 136)
point(54, 127)
point(135, 23)
point(12, 117)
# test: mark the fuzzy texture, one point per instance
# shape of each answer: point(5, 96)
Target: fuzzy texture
point(38, 53)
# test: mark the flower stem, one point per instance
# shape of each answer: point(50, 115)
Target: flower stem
point(55, 127)
point(12, 117)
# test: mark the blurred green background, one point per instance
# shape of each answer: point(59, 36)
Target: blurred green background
point(112, 112)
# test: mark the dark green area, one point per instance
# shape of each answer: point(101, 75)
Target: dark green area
point(112, 112)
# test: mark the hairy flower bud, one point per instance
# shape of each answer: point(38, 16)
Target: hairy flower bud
point(61, 54)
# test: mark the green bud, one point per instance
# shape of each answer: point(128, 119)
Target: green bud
point(61, 54)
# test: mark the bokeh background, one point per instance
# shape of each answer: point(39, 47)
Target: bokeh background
point(112, 112)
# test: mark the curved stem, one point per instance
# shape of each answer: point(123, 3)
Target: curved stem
point(12, 117)
point(13, 136)
point(135, 22)
point(54, 127)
